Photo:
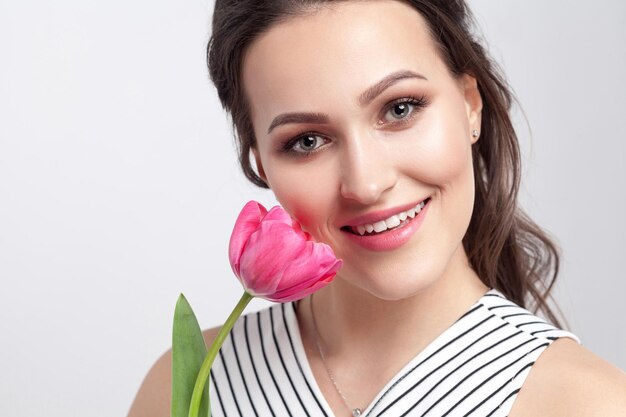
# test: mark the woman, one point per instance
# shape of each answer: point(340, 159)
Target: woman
point(383, 128)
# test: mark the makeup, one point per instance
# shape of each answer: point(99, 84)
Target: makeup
point(393, 238)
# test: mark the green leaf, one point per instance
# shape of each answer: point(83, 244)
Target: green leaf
point(188, 352)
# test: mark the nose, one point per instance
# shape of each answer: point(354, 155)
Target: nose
point(367, 171)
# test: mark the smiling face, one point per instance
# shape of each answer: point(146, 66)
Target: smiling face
point(357, 119)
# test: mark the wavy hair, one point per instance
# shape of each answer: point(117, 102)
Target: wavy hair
point(506, 248)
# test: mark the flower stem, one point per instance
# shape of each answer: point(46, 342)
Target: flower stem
point(196, 397)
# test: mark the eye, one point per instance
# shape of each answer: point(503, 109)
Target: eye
point(403, 109)
point(304, 144)
point(400, 110)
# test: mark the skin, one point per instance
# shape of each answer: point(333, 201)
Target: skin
point(365, 160)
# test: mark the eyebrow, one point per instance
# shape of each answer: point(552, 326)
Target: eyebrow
point(364, 99)
point(374, 91)
point(286, 118)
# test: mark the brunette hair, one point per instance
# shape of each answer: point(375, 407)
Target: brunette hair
point(505, 247)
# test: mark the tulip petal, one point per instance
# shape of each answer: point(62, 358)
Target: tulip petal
point(274, 258)
point(291, 294)
point(247, 222)
point(278, 215)
point(307, 272)
point(315, 266)
point(269, 251)
point(313, 260)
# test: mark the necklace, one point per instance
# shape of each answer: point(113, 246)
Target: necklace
point(356, 412)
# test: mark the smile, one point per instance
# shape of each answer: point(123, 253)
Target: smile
point(393, 222)
point(397, 220)
point(390, 233)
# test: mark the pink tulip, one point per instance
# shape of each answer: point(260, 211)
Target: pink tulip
point(275, 259)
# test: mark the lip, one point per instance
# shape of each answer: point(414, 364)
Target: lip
point(377, 216)
point(392, 239)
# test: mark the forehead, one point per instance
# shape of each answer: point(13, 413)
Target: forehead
point(311, 61)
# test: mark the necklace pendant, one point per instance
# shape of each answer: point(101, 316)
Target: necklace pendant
point(356, 412)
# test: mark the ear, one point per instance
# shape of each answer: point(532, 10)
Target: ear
point(259, 165)
point(473, 104)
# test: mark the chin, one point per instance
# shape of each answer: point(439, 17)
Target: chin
point(396, 284)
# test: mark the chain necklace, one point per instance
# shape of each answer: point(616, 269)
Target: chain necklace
point(356, 412)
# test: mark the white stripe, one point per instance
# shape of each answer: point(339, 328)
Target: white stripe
point(518, 328)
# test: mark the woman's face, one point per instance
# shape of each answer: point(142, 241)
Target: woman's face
point(357, 119)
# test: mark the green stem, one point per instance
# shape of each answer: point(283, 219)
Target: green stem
point(196, 397)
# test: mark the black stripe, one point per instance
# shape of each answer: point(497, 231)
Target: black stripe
point(512, 393)
point(470, 374)
point(492, 295)
point(460, 366)
point(517, 314)
point(439, 367)
point(219, 396)
point(256, 375)
point(531, 322)
point(528, 365)
point(282, 361)
point(232, 391)
point(243, 378)
point(501, 306)
point(296, 357)
point(462, 393)
point(268, 364)
point(427, 358)
point(490, 378)
point(540, 331)
point(467, 313)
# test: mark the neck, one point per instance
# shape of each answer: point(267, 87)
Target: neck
point(353, 324)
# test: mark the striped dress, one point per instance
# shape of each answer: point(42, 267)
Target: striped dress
point(475, 367)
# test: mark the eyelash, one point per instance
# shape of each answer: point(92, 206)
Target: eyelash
point(418, 104)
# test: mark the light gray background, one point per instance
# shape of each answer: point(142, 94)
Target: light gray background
point(119, 184)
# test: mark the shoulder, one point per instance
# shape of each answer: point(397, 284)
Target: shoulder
point(154, 396)
point(569, 380)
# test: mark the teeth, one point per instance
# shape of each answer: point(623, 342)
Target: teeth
point(389, 223)
point(380, 226)
point(393, 221)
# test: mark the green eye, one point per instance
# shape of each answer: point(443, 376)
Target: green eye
point(400, 110)
point(404, 109)
point(305, 144)
point(308, 142)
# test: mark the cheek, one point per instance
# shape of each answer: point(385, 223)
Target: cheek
point(440, 154)
point(306, 192)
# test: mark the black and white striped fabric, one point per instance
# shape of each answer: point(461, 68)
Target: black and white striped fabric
point(476, 367)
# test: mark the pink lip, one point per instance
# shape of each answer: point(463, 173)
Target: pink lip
point(377, 216)
point(392, 239)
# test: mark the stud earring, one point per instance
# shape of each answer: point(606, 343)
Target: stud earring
point(475, 133)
